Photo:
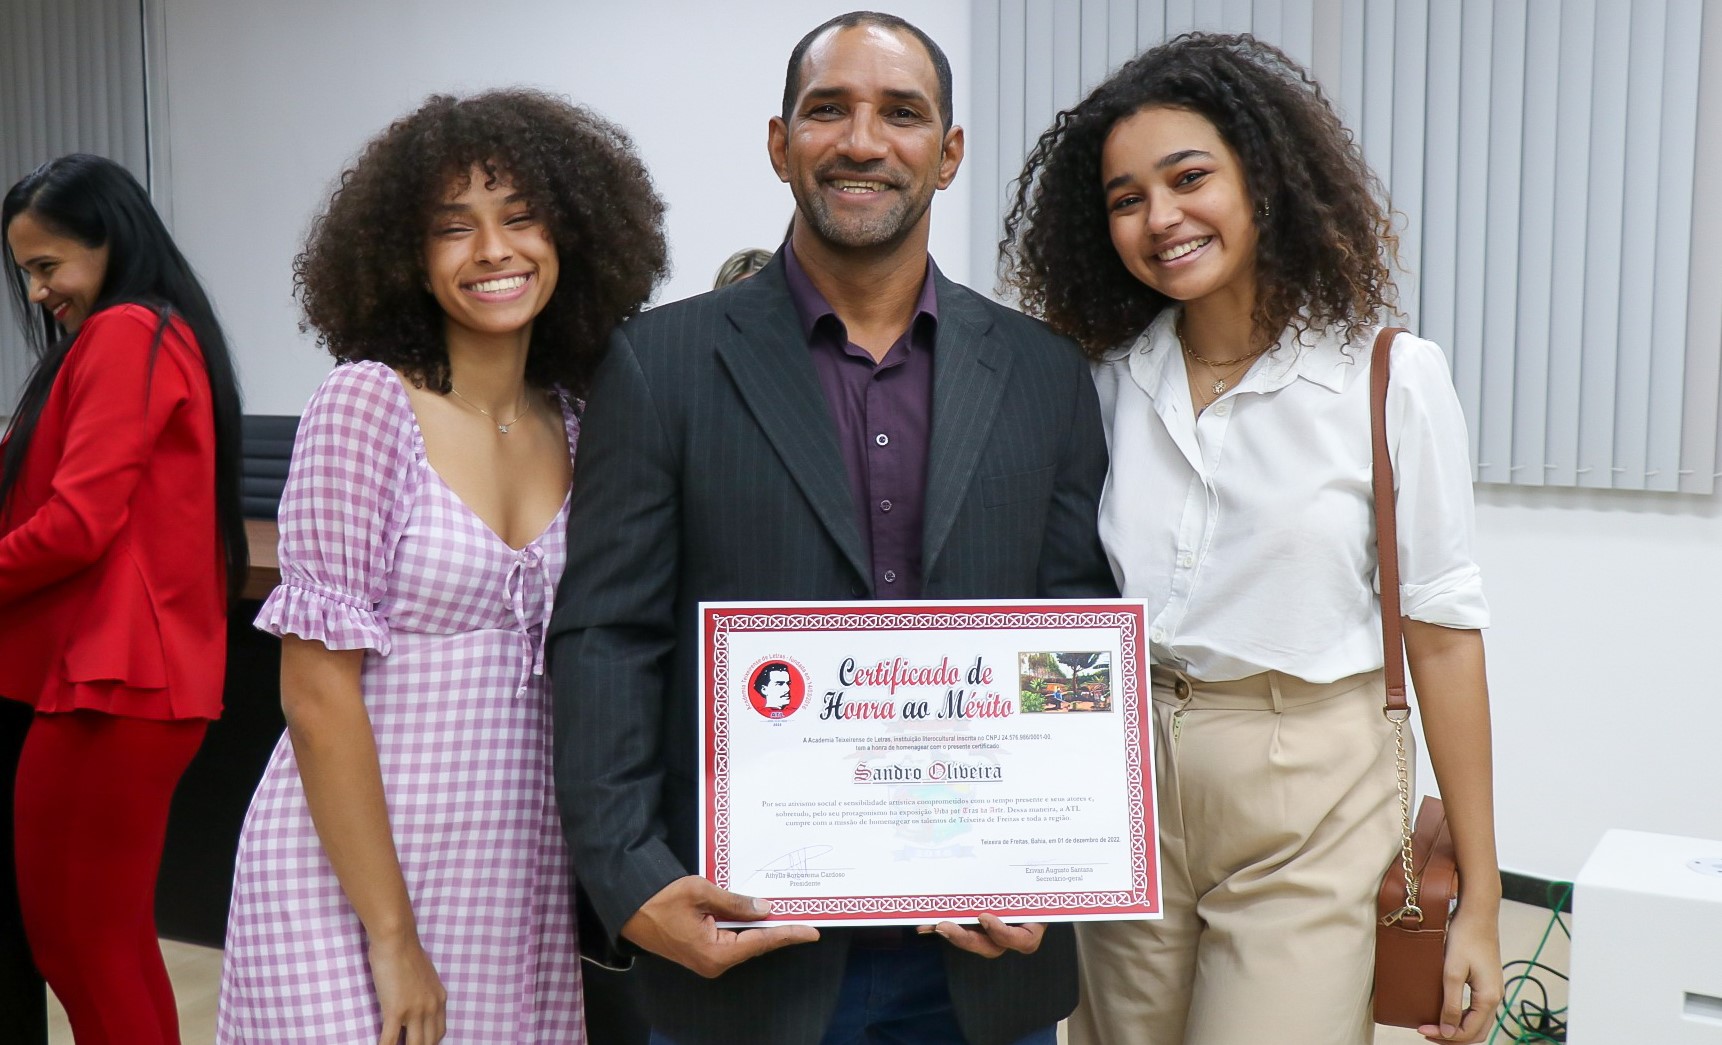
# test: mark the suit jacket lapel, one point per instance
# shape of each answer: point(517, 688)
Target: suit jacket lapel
point(767, 357)
point(969, 371)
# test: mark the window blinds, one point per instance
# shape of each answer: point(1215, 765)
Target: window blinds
point(71, 80)
point(1544, 156)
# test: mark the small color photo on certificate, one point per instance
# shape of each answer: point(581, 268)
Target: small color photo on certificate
point(1061, 682)
point(873, 763)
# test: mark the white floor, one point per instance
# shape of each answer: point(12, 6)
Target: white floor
point(196, 973)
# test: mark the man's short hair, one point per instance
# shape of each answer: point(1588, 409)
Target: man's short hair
point(762, 677)
point(797, 57)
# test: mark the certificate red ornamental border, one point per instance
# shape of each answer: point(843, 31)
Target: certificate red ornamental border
point(1141, 899)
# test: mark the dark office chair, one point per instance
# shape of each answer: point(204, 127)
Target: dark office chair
point(268, 446)
point(209, 805)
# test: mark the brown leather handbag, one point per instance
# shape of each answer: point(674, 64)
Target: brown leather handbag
point(1421, 886)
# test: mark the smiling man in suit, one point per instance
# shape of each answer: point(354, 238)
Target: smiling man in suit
point(893, 435)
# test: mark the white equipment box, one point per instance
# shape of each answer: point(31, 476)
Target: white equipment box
point(1647, 942)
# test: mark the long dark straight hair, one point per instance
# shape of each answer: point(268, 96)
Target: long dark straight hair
point(97, 202)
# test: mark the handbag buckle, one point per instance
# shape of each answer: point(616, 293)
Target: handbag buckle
point(1410, 911)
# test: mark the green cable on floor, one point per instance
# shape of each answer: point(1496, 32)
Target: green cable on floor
point(1536, 1022)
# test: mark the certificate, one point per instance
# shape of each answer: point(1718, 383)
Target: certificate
point(908, 763)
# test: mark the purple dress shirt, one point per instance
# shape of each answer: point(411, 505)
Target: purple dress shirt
point(884, 415)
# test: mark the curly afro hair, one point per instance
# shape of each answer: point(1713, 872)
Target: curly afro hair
point(1325, 238)
point(361, 277)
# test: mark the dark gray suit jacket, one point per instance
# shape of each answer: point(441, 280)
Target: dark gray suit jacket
point(708, 469)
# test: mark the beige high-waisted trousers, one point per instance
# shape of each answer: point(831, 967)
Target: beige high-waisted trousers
point(1279, 811)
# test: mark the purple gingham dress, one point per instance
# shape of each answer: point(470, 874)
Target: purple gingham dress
point(377, 553)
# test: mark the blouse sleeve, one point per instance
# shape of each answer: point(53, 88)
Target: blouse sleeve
point(343, 510)
point(1439, 582)
point(112, 428)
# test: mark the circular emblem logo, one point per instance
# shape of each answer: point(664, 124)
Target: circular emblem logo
point(776, 687)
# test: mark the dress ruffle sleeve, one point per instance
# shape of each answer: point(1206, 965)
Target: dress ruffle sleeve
point(343, 510)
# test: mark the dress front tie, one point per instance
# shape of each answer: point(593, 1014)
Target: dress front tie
point(528, 566)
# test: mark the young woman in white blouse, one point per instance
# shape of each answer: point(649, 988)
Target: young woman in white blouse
point(1206, 228)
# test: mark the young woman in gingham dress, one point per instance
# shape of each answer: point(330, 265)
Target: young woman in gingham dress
point(402, 873)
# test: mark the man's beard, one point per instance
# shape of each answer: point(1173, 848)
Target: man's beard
point(882, 230)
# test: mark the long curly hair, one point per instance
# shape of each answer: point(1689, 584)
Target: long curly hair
point(1325, 239)
point(362, 279)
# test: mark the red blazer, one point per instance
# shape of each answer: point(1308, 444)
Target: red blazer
point(112, 581)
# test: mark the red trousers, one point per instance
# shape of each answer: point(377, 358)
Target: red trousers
point(92, 798)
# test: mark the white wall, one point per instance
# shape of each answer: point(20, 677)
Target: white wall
point(1603, 655)
point(1604, 666)
point(264, 103)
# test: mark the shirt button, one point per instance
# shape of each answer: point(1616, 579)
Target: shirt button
point(882, 439)
point(1158, 635)
point(884, 506)
point(1186, 559)
point(1222, 409)
point(890, 576)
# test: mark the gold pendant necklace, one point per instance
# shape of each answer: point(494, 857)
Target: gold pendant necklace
point(1224, 381)
point(1227, 369)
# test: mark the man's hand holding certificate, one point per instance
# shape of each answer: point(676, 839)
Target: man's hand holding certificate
point(869, 763)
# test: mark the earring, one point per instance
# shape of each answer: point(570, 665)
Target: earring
point(1263, 210)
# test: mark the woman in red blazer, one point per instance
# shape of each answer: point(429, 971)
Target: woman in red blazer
point(121, 542)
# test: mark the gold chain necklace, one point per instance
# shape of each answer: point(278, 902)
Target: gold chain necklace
point(1225, 369)
point(501, 426)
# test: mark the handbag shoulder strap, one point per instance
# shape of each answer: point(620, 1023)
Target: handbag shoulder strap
point(1386, 527)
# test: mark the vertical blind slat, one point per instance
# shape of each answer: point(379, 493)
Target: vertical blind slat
point(1440, 244)
point(988, 156)
point(1096, 22)
point(1667, 372)
point(12, 108)
point(1120, 33)
point(1500, 296)
point(1016, 137)
point(12, 167)
point(1537, 178)
point(1236, 16)
point(87, 107)
point(1182, 16)
point(1638, 249)
point(1701, 442)
point(126, 61)
point(97, 107)
point(1603, 240)
point(1065, 32)
point(1476, 63)
point(1327, 33)
point(35, 82)
point(1266, 20)
point(1375, 118)
point(1571, 215)
point(1350, 90)
point(1037, 107)
point(1150, 23)
point(1297, 30)
point(115, 42)
point(1407, 140)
